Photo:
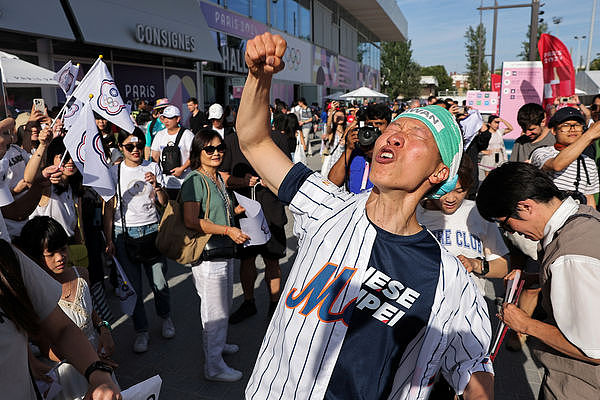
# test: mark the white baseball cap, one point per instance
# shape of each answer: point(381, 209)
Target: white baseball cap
point(215, 111)
point(171, 112)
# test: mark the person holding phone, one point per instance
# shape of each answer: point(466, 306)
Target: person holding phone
point(495, 154)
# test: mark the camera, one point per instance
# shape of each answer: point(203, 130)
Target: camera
point(367, 135)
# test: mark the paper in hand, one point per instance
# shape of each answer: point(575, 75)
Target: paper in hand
point(146, 390)
point(255, 225)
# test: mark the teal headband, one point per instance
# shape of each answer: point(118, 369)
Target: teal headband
point(448, 138)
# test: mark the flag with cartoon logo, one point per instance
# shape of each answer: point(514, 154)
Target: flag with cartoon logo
point(106, 100)
point(67, 77)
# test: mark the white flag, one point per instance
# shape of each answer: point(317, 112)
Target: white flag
point(146, 390)
point(84, 143)
point(67, 77)
point(70, 116)
point(106, 99)
point(124, 291)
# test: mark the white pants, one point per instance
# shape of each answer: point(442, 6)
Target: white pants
point(214, 283)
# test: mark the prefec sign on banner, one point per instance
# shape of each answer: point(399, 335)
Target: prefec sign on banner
point(522, 83)
point(485, 102)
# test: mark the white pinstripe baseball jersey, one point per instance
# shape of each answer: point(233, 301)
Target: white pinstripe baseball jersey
point(302, 344)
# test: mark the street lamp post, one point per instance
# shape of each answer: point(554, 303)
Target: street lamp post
point(579, 39)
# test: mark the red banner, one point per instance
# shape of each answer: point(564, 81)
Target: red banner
point(559, 74)
point(496, 83)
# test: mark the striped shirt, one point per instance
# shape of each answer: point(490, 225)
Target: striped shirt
point(565, 179)
point(302, 343)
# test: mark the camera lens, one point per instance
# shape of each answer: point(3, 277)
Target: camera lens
point(367, 135)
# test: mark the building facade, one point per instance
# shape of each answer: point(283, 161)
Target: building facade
point(195, 48)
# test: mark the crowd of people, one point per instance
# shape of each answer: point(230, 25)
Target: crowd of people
point(397, 240)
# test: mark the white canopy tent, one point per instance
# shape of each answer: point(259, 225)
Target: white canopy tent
point(335, 96)
point(20, 73)
point(364, 93)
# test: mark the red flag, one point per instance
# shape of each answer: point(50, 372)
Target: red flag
point(496, 83)
point(559, 74)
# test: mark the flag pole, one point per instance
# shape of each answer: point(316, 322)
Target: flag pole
point(65, 154)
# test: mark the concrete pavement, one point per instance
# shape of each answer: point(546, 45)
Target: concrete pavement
point(179, 361)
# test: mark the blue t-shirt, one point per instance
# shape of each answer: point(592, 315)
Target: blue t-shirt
point(392, 309)
point(356, 170)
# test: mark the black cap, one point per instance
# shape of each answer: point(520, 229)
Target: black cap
point(566, 114)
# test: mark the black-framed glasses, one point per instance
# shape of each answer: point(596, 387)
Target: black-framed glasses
point(504, 224)
point(130, 146)
point(571, 127)
point(210, 150)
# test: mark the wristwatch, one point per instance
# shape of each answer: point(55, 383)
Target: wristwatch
point(485, 266)
point(97, 366)
point(105, 324)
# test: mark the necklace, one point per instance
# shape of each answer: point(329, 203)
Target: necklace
point(221, 190)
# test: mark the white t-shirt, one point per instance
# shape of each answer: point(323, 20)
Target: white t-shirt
point(3, 230)
point(138, 195)
point(17, 160)
point(161, 140)
point(61, 207)
point(465, 232)
point(221, 132)
point(44, 293)
point(565, 179)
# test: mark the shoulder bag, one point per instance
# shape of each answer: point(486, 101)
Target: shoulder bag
point(176, 241)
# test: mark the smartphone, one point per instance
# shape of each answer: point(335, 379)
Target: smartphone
point(39, 105)
point(497, 157)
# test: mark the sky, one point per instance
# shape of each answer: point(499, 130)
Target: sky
point(437, 27)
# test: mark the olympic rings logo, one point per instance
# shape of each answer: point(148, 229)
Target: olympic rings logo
point(293, 58)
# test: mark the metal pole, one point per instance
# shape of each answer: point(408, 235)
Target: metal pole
point(535, 8)
point(479, 49)
point(591, 35)
point(494, 36)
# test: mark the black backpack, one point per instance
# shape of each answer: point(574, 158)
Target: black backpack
point(171, 156)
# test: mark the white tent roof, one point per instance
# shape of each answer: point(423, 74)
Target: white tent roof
point(335, 96)
point(363, 92)
point(16, 72)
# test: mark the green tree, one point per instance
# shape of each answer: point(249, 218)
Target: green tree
point(399, 70)
point(524, 54)
point(439, 71)
point(595, 64)
point(477, 67)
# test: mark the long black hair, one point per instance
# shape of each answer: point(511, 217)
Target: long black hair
point(201, 139)
point(57, 148)
point(14, 299)
point(39, 233)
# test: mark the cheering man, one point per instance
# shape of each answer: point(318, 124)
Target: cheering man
point(373, 307)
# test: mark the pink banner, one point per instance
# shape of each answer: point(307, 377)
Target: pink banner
point(522, 83)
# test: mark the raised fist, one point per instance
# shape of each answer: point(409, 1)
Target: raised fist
point(264, 54)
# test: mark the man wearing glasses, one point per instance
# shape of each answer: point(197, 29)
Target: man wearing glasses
point(565, 162)
point(524, 199)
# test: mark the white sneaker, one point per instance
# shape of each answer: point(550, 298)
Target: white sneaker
point(229, 375)
point(230, 349)
point(140, 344)
point(168, 329)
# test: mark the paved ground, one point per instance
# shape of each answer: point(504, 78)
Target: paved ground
point(179, 361)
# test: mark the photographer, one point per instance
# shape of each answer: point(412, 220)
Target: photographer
point(353, 167)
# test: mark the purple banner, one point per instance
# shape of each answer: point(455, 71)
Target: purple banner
point(225, 21)
point(347, 73)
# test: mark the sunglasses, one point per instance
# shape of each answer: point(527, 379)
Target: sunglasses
point(504, 224)
point(210, 150)
point(130, 146)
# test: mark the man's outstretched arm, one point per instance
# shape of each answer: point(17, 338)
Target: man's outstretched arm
point(264, 57)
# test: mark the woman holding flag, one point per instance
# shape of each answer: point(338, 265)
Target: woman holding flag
point(132, 213)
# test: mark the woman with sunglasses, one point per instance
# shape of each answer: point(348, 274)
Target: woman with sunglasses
point(132, 213)
point(213, 279)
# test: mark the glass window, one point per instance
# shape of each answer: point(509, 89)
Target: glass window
point(304, 30)
point(278, 15)
point(292, 20)
point(259, 10)
point(241, 6)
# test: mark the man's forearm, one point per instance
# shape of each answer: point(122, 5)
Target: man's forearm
point(569, 154)
point(553, 337)
point(253, 119)
point(20, 210)
point(337, 174)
